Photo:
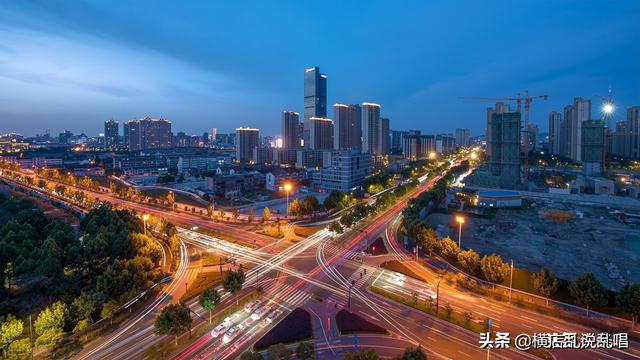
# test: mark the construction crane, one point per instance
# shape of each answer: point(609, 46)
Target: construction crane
point(527, 106)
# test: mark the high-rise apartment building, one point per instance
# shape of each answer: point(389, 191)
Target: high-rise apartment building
point(462, 137)
point(315, 97)
point(574, 116)
point(111, 134)
point(555, 121)
point(504, 145)
point(320, 133)
point(347, 129)
point(500, 108)
point(397, 141)
point(417, 146)
point(375, 131)
point(147, 133)
point(290, 130)
point(247, 139)
point(633, 131)
point(384, 136)
point(445, 144)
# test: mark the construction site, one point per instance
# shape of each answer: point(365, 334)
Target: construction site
point(569, 239)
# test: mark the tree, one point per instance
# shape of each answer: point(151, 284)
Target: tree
point(545, 283)
point(266, 214)
point(235, 213)
point(448, 310)
point(362, 355)
point(108, 309)
point(19, 349)
point(233, 282)
point(469, 260)
point(209, 299)
point(413, 354)
point(296, 208)
point(249, 355)
point(174, 320)
point(628, 299)
point(305, 351)
point(278, 352)
point(493, 268)
point(587, 291)
point(336, 227)
point(209, 210)
point(250, 215)
point(427, 238)
point(50, 324)
point(448, 248)
point(10, 330)
point(171, 198)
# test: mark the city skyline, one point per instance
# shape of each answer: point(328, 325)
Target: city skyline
point(75, 66)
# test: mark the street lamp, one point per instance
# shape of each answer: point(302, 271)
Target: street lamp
point(474, 156)
point(511, 281)
point(438, 294)
point(145, 217)
point(460, 221)
point(432, 155)
point(287, 188)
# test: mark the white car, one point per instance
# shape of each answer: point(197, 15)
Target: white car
point(259, 313)
point(249, 307)
point(220, 329)
point(229, 335)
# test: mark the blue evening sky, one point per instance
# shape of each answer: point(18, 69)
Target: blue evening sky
point(203, 64)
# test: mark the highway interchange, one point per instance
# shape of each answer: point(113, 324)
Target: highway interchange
point(323, 267)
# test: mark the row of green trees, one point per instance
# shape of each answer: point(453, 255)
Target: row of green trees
point(361, 210)
point(68, 178)
point(585, 290)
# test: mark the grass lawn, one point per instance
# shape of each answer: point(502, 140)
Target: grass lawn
point(399, 267)
point(295, 327)
point(203, 281)
point(350, 323)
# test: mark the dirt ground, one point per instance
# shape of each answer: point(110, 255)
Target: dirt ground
point(595, 243)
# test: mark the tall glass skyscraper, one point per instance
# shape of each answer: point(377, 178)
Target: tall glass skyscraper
point(315, 97)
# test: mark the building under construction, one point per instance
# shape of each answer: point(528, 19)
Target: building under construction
point(592, 147)
point(504, 144)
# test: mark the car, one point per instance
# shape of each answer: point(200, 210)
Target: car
point(218, 330)
point(249, 307)
point(272, 315)
point(259, 313)
point(230, 334)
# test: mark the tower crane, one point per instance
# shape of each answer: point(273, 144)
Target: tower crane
point(527, 106)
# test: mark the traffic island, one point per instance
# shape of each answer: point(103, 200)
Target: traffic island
point(293, 328)
point(377, 247)
point(350, 323)
point(402, 268)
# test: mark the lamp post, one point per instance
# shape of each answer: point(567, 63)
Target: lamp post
point(145, 217)
point(460, 221)
point(511, 281)
point(287, 188)
point(438, 294)
point(353, 282)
